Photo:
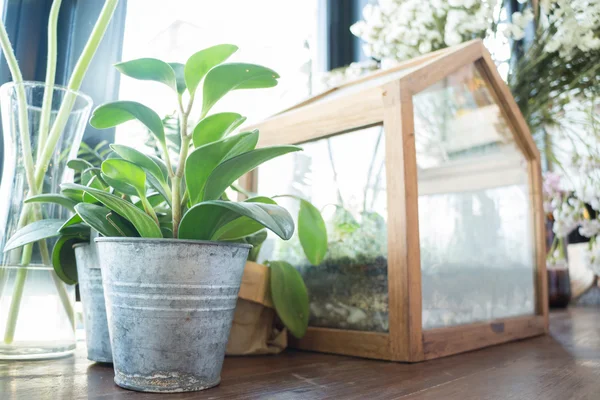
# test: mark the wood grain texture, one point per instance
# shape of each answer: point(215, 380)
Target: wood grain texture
point(563, 365)
point(351, 343)
point(404, 265)
point(443, 342)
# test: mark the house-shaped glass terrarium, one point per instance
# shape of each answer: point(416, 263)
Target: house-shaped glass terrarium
point(429, 182)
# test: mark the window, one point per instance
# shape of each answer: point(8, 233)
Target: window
point(274, 33)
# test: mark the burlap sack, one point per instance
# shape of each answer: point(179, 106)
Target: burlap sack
point(253, 330)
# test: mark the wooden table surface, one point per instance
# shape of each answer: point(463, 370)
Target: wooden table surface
point(563, 365)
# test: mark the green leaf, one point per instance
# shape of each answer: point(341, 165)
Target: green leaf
point(118, 112)
point(312, 232)
point(202, 161)
point(33, 232)
point(119, 186)
point(179, 78)
point(95, 216)
point(144, 224)
point(140, 159)
point(75, 195)
point(127, 172)
point(124, 227)
point(216, 127)
point(59, 199)
point(203, 221)
point(226, 77)
point(88, 174)
point(290, 297)
point(79, 164)
point(149, 69)
point(162, 189)
point(201, 62)
point(243, 226)
point(229, 171)
point(63, 259)
point(74, 220)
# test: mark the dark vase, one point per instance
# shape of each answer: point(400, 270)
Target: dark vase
point(559, 287)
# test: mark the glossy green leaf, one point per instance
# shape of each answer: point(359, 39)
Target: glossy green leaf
point(74, 220)
point(149, 69)
point(162, 189)
point(202, 221)
point(33, 232)
point(140, 159)
point(201, 62)
point(78, 164)
point(227, 77)
point(119, 186)
point(127, 172)
point(75, 195)
point(216, 127)
point(124, 227)
point(312, 232)
point(59, 199)
point(179, 76)
point(63, 259)
point(290, 297)
point(161, 165)
point(89, 173)
point(118, 112)
point(96, 183)
point(243, 226)
point(229, 171)
point(202, 161)
point(144, 224)
point(95, 216)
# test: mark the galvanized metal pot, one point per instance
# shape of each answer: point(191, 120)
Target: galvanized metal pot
point(92, 298)
point(170, 305)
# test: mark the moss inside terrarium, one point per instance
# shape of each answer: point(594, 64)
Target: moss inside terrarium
point(349, 289)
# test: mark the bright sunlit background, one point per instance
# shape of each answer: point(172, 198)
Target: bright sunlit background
point(279, 34)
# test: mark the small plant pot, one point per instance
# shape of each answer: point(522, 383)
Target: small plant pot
point(170, 305)
point(92, 297)
point(254, 330)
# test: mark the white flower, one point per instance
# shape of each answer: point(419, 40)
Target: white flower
point(589, 228)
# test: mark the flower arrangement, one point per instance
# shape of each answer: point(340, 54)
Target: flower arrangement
point(403, 29)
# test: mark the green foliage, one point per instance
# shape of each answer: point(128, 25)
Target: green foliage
point(216, 127)
point(312, 232)
point(290, 297)
point(63, 258)
point(227, 77)
point(112, 114)
point(203, 61)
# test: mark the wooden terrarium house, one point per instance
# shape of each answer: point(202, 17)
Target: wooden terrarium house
point(430, 185)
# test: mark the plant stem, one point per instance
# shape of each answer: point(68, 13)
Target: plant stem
point(35, 174)
point(176, 202)
point(50, 76)
point(74, 84)
point(13, 66)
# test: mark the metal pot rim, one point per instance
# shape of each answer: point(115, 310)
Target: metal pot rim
point(168, 240)
point(76, 245)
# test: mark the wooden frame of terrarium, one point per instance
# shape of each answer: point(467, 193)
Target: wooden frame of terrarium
point(385, 97)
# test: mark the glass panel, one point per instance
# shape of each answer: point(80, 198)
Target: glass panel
point(476, 238)
point(349, 289)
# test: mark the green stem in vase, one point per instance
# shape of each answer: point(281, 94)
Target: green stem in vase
point(47, 140)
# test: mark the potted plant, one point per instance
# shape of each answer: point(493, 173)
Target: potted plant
point(171, 270)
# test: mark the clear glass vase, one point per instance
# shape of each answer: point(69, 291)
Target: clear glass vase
point(36, 307)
